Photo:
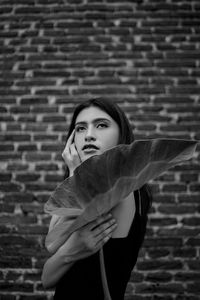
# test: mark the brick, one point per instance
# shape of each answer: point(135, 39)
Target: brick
point(28, 147)
point(193, 264)
point(44, 109)
point(136, 277)
point(19, 109)
point(35, 82)
point(5, 176)
point(46, 92)
point(164, 198)
point(7, 297)
point(35, 127)
point(162, 221)
point(188, 177)
point(184, 252)
point(33, 101)
point(16, 287)
point(184, 297)
point(46, 137)
point(160, 288)
point(40, 187)
point(186, 276)
point(15, 262)
point(176, 99)
point(54, 118)
point(17, 167)
point(18, 219)
point(24, 177)
point(33, 157)
point(10, 187)
point(54, 73)
point(158, 252)
point(191, 109)
point(46, 167)
point(183, 231)
point(5, 229)
point(15, 137)
point(13, 127)
point(163, 242)
point(33, 297)
point(177, 209)
point(192, 221)
point(33, 275)
point(193, 288)
point(27, 119)
point(6, 118)
point(159, 277)
point(6, 208)
point(19, 197)
point(180, 127)
point(191, 118)
point(194, 187)
point(38, 41)
point(193, 242)
point(171, 188)
point(152, 117)
point(36, 230)
point(13, 275)
point(25, 10)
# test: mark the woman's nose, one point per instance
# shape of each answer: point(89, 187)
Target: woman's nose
point(90, 134)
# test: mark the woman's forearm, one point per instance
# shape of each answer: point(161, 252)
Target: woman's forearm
point(55, 267)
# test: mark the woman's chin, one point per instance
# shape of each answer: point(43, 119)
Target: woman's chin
point(88, 155)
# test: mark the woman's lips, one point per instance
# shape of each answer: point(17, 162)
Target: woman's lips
point(90, 150)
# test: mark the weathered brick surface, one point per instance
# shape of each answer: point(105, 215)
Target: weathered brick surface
point(145, 55)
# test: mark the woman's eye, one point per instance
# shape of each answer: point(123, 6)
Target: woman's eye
point(80, 128)
point(102, 125)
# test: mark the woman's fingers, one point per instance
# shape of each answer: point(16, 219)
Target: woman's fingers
point(104, 228)
point(74, 152)
point(105, 235)
point(92, 225)
point(69, 141)
point(70, 154)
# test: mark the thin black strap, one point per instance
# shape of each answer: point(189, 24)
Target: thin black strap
point(138, 202)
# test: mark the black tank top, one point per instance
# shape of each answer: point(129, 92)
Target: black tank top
point(83, 279)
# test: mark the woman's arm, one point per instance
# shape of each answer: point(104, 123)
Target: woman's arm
point(81, 244)
point(55, 267)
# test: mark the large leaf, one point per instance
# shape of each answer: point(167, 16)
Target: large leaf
point(101, 181)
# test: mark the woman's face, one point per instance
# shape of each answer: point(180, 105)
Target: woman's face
point(95, 132)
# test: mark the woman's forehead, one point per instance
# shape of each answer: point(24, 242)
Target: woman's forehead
point(91, 113)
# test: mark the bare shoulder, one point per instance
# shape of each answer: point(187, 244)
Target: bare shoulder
point(124, 213)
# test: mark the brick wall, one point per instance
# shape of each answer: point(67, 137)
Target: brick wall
point(145, 55)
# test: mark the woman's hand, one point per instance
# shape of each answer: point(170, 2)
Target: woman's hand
point(89, 239)
point(70, 154)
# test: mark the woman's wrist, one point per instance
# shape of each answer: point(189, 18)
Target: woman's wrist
point(64, 256)
point(71, 173)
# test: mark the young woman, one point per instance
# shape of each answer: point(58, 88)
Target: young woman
point(74, 270)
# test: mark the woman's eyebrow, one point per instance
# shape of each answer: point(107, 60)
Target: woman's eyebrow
point(93, 121)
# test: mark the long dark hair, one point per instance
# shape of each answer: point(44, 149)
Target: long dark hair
point(126, 135)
